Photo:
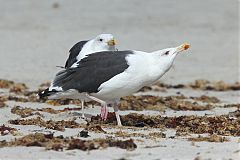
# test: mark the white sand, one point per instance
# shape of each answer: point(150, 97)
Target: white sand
point(160, 148)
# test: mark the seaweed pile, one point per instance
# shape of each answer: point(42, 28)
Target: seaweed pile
point(147, 102)
point(215, 126)
point(27, 111)
point(59, 143)
point(220, 125)
point(50, 124)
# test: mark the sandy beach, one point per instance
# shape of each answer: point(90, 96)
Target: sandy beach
point(37, 35)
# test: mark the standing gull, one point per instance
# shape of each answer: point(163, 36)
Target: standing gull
point(103, 42)
point(107, 76)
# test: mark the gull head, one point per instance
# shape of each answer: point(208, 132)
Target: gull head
point(172, 52)
point(104, 42)
point(167, 56)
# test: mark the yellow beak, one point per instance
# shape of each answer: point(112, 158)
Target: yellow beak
point(183, 47)
point(112, 42)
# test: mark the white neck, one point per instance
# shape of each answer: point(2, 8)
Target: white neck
point(160, 64)
point(151, 66)
point(87, 49)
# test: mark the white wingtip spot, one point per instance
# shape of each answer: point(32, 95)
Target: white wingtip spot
point(57, 88)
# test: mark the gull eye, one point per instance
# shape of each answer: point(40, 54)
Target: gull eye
point(166, 53)
point(100, 39)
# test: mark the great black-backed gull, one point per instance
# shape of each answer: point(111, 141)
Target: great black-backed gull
point(102, 42)
point(107, 76)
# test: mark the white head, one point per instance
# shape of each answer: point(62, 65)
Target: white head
point(103, 42)
point(167, 56)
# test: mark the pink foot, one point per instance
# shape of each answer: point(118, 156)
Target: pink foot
point(104, 112)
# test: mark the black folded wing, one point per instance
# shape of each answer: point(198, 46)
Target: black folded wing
point(92, 71)
point(74, 52)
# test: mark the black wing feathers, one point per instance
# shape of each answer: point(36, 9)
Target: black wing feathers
point(92, 71)
point(74, 51)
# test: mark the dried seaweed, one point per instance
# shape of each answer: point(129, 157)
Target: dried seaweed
point(95, 128)
point(211, 138)
point(26, 111)
point(148, 102)
point(140, 103)
point(152, 135)
point(55, 125)
point(23, 112)
point(221, 125)
point(235, 113)
point(232, 105)
point(12, 86)
point(101, 143)
point(157, 135)
point(127, 144)
point(2, 104)
point(3, 98)
point(59, 143)
point(6, 130)
point(175, 104)
point(206, 99)
point(6, 83)
point(18, 88)
point(216, 86)
point(49, 110)
point(127, 120)
point(17, 99)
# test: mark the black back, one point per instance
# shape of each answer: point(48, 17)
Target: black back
point(92, 71)
point(74, 52)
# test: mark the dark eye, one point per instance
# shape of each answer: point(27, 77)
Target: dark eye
point(166, 53)
point(101, 39)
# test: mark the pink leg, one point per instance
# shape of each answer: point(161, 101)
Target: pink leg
point(104, 109)
point(104, 112)
point(115, 107)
